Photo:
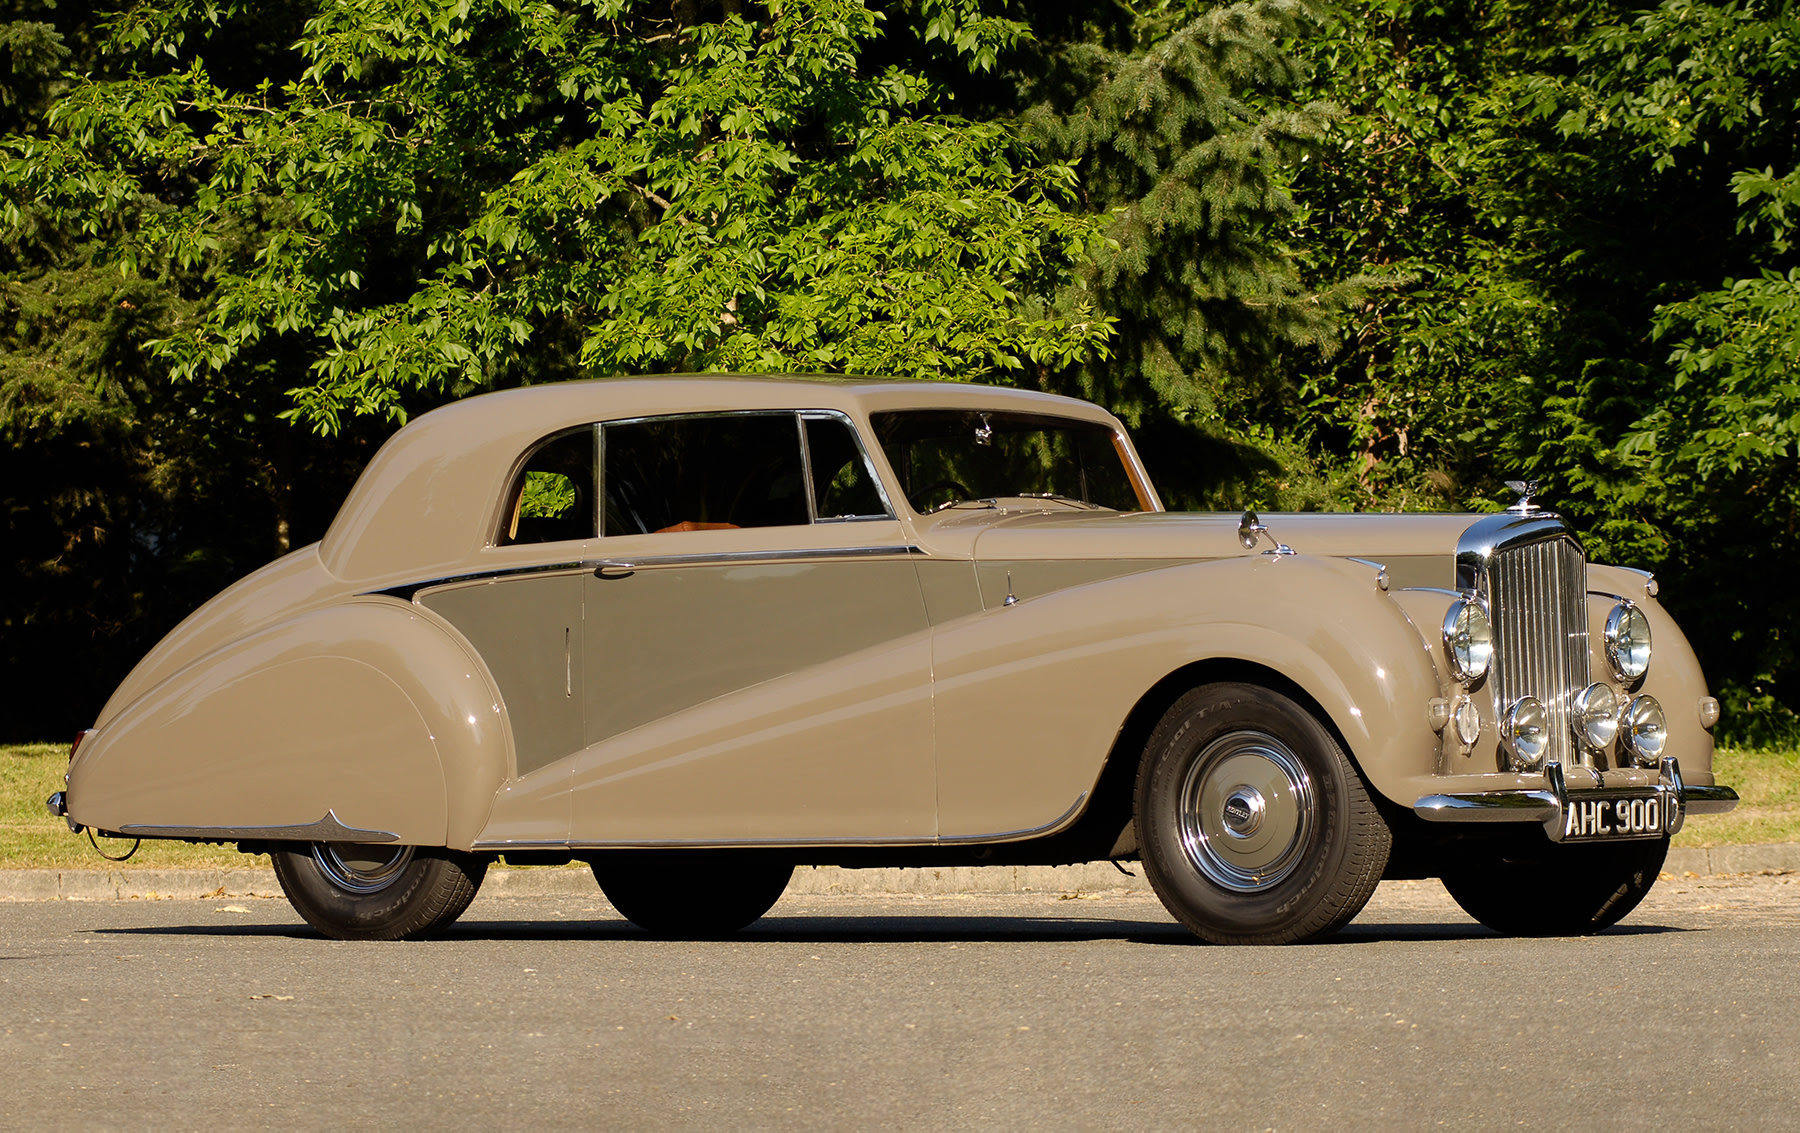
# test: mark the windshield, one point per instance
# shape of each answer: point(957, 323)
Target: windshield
point(945, 457)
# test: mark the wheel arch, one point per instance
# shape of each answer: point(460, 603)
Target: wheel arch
point(1109, 815)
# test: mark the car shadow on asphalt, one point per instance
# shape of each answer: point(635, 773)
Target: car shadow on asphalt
point(884, 930)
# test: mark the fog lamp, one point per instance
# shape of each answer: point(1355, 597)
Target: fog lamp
point(1595, 716)
point(1646, 731)
point(1524, 733)
point(1467, 719)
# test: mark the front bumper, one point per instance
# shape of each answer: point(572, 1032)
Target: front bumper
point(1565, 815)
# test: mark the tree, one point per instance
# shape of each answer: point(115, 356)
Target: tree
point(1556, 193)
point(446, 198)
point(1188, 126)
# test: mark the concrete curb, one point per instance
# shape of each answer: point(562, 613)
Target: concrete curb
point(576, 881)
point(1782, 857)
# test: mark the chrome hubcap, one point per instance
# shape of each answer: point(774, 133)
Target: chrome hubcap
point(1247, 811)
point(1244, 809)
point(360, 868)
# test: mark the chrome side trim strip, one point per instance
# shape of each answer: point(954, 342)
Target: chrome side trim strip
point(406, 591)
point(327, 829)
point(776, 843)
point(1050, 827)
point(698, 843)
point(728, 558)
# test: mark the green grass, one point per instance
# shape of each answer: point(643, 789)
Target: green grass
point(1768, 782)
point(30, 838)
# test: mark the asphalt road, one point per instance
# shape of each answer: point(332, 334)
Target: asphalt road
point(1008, 1011)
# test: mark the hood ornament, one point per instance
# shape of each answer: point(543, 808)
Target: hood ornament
point(1249, 527)
point(1526, 490)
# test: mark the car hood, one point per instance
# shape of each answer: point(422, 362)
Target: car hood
point(1417, 549)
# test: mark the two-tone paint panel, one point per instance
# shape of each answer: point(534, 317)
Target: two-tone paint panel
point(765, 685)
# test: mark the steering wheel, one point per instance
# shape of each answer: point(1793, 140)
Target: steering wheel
point(919, 497)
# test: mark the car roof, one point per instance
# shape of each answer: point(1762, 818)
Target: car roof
point(423, 503)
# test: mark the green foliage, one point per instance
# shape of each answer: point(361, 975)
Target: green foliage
point(546, 495)
point(443, 192)
point(1577, 220)
point(1186, 126)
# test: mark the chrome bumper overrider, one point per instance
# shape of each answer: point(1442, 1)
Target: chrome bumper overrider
point(58, 805)
point(1559, 812)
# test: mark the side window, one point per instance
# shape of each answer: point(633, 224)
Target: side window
point(844, 487)
point(552, 498)
point(703, 474)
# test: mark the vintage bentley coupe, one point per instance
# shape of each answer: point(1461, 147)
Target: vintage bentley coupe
point(697, 631)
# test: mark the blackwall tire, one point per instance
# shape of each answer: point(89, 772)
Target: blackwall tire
point(350, 891)
point(1562, 891)
point(1254, 826)
point(691, 893)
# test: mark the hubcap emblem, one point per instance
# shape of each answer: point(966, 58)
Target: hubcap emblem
point(1243, 812)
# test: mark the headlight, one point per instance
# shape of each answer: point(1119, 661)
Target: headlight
point(1628, 642)
point(1646, 731)
point(1596, 716)
point(1524, 733)
point(1468, 640)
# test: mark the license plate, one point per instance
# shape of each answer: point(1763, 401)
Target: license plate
point(1612, 817)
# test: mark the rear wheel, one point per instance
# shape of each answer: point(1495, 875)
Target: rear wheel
point(691, 892)
point(1562, 891)
point(1253, 825)
point(354, 891)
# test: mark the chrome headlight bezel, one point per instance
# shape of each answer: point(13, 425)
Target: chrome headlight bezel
point(1468, 639)
point(1594, 717)
point(1645, 731)
point(1628, 645)
point(1525, 733)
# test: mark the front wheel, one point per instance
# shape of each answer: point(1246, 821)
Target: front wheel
point(1561, 891)
point(1253, 824)
point(691, 893)
point(354, 891)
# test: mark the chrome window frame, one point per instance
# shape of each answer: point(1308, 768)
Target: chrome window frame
point(497, 528)
point(502, 517)
point(862, 451)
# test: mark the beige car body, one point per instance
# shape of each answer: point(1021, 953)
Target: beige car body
point(893, 687)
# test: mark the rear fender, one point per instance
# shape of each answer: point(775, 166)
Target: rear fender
point(367, 712)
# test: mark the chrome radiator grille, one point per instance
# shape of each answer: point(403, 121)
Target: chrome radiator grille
point(1537, 598)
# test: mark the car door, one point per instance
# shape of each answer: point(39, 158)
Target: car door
point(756, 654)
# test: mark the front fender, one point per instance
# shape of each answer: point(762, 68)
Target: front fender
point(1326, 625)
point(367, 711)
point(1029, 698)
